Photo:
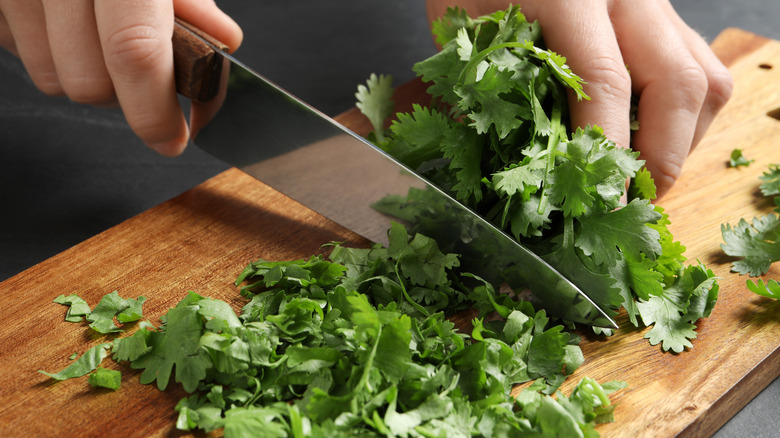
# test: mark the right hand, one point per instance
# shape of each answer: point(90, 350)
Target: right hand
point(109, 52)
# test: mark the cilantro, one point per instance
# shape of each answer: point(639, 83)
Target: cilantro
point(771, 178)
point(738, 159)
point(310, 352)
point(375, 101)
point(496, 138)
point(178, 346)
point(110, 306)
point(105, 378)
point(770, 289)
point(674, 312)
point(77, 307)
point(102, 317)
point(85, 364)
point(757, 243)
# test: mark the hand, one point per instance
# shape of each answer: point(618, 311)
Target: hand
point(680, 82)
point(108, 52)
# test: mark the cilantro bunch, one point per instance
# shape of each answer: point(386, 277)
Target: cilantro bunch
point(360, 344)
point(756, 244)
point(496, 137)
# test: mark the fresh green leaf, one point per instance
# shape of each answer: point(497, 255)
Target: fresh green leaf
point(77, 307)
point(176, 347)
point(112, 305)
point(771, 178)
point(105, 378)
point(770, 289)
point(84, 365)
point(756, 243)
point(738, 158)
point(374, 100)
point(624, 229)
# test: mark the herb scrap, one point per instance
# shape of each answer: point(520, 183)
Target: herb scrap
point(360, 344)
point(738, 159)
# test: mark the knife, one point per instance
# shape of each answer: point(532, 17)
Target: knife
point(254, 125)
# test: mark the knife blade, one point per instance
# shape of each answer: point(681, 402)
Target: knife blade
point(254, 125)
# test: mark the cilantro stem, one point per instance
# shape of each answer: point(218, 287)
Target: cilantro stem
point(568, 232)
point(363, 382)
point(479, 57)
point(416, 305)
point(557, 132)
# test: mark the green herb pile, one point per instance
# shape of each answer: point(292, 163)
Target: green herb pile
point(756, 244)
point(355, 345)
point(496, 138)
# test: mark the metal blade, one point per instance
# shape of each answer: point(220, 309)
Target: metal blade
point(290, 146)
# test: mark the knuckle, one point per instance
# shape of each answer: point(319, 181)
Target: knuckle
point(666, 173)
point(610, 76)
point(134, 48)
point(692, 84)
point(720, 87)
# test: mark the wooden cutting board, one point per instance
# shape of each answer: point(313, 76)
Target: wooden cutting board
point(203, 238)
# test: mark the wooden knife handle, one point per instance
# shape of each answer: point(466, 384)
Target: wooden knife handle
point(197, 65)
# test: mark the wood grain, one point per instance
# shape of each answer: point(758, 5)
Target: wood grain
point(203, 238)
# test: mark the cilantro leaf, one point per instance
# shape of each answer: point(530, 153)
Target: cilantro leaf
point(770, 289)
point(738, 159)
point(464, 149)
point(112, 305)
point(673, 313)
point(77, 307)
point(418, 136)
point(374, 100)
point(105, 378)
point(132, 347)
point(755, 242)
point(178, 346)
point(642, 185)
point(85, 364)
point(624, 229)
point(771, 178)
point(485, 105)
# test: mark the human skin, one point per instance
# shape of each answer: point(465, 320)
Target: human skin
point(112, 52)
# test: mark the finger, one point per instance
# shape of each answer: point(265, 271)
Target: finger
point(670, 83)
point(205, 15)
point(76, 51)
point(27, 26)
point(719, 81)
point(6, 39)
point(136, 42)
point(591, 50)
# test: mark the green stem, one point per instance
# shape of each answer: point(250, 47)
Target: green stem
point(416, 305)
point(558, 130)
point(479, 57)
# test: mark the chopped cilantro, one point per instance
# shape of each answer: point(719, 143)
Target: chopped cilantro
point(84, 365)
point(738, 159)
point(360, 343)
point(77, 307)
point(105, 378)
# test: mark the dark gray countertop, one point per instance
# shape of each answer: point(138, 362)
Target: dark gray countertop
point(68, 172)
